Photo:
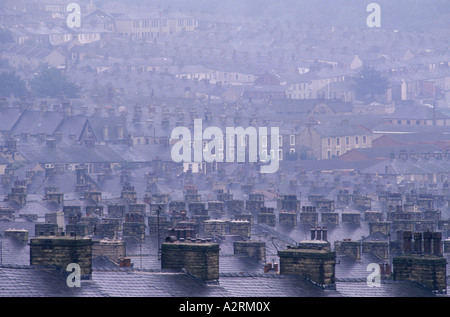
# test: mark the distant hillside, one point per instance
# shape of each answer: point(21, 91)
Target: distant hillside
point(408, 15)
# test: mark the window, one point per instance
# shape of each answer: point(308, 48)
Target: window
point(328, 154)
point(356, 140)
point(338, 141)
point(329, 141)
point(280, 140)
point(263, 157)
point(292, 151)
point(135, 24)
point(292, 139)
point(280, 155)
point(338, 153)
point(364, 139)
point(264, 141)
point(237, 77)
point(347, 140)
point(231, 140)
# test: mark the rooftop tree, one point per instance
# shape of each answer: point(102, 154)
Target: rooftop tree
point(370, 84)
point(11, 84)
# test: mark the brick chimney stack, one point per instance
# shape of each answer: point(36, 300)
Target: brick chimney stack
point(437, 243)
point(407, 237)
point(427, 236)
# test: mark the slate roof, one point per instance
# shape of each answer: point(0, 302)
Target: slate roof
point(25, 281)
point(142, 153)
point(72, 124)
point(31, 121)
point(411, 166)
point(98, 123)
point(335, 130)
point(416, 112)
point(8, 117)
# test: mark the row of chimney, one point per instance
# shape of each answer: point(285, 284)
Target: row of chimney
point(426, 242)
point(319, 233)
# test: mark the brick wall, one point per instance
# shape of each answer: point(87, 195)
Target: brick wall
point(80, 229)
point(311, 218)
point(241, 228)
point(373, 216)
point(115, 250)
point(200, 259)
point(288, 218)
point(21, 235)
point(134, 229)
point(351, 217)
point(427, 271)
point(214, 228)
point(315, 265)
point(46, 229)
point(349, 248)
point(331, 218)
point(267, 218)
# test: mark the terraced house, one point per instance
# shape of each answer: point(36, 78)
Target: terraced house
point(332, 140)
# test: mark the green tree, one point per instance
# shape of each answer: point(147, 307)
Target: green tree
point(370, 84)
point(11, 84)
point(51, 82)
point(5, 36)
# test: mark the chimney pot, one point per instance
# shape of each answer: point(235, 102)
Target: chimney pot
point(418, 242)
point(407, 236)
point(318, 234)
point(427, 236)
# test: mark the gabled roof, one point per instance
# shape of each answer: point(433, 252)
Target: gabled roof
point(385, 152)
point(8, 117)
point(416, 112)
point(335, 130)
point(69, 154)
point(98, 16)
point(98, 124)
